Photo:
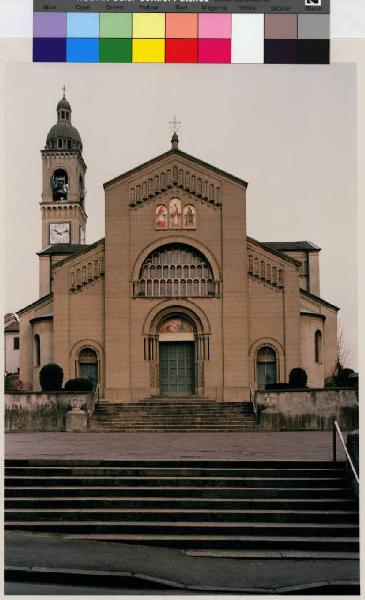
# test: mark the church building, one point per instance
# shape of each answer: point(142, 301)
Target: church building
point(177, 299)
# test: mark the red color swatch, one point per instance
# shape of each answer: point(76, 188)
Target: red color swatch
point(181, 51)
point(214, 51)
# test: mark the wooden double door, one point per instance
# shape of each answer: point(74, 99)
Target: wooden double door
point(177, 368)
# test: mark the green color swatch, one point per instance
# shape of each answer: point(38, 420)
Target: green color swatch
point(114, 51)
point(115, 25)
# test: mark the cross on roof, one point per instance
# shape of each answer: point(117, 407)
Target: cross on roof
point(175, 124)
point(64, 90)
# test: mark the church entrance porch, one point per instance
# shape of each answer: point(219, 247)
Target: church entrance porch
point(177, 368)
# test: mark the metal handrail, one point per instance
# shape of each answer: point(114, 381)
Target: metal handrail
point(337, 431)
point(95, 397)
point(253, 400)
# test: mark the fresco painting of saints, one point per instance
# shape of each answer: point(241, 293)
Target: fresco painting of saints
point(175, 213)
point(189, 217)
point(161, 217)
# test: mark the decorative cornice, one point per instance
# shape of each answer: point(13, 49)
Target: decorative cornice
point(178, 153)
point(175, 179)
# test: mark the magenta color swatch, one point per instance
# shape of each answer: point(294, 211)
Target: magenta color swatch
point(214, 51)
point(215, 26)
point(49, 25)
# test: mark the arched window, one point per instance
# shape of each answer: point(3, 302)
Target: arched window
point(186, 266)
point(37, 350)
point(88, 365)
point(266, 367)
point(318, 346)
point(59, 183)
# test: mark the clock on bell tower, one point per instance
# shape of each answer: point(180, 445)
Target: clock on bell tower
point(63, 194)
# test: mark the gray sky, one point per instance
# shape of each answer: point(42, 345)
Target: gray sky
point(290, 131)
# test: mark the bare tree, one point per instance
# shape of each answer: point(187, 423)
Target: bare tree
point(343, 352)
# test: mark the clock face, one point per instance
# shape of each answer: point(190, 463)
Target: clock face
point(59, 233)
point(82, 235)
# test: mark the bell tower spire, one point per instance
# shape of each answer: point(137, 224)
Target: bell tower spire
point(63, 193)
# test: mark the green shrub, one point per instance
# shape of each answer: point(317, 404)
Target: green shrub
point(79, 384)
point(298, 378)
point(342, 379)
point(51, 377)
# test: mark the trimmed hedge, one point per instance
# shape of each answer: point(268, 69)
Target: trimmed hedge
point(51, 378)
point(79, 384)
point(298, 378)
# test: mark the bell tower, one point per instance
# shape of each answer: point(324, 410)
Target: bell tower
point(63, 194)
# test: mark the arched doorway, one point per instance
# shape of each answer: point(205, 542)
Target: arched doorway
point(88, 365)
point(266, 370)
point(176, 357)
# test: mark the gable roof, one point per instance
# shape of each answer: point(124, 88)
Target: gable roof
point(13, 326)
point(263, 245)
point(83, 249)
point(178, 153)
point(318, 299)
point(45, 299)
point(292, 246)
point(61, 249)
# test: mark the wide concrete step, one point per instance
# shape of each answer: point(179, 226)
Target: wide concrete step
point(219, 516)
point(182, 482)
point(112, 429)
point(173, 415)
point(58, 470)
point(263, 506)
point(145, 410)
point(179, 464)
point(236, 528)
point(324, 506)
point(46, 491)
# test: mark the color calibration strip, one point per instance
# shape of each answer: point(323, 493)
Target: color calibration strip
point(181, 38)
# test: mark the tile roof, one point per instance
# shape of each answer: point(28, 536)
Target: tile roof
point(282, 246)
point(61, 249)
point(13, 326)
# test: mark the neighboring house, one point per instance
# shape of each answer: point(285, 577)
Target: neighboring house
point(11, 343)
point(177, 300)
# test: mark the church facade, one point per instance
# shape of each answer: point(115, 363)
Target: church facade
point(176, 300)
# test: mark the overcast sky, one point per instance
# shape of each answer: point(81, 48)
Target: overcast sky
point(290, 131)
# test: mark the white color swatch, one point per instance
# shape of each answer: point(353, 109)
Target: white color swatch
point(247, 39)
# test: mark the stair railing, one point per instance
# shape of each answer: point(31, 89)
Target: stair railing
point(253, 401)
point(94, 399)
point(336, 431)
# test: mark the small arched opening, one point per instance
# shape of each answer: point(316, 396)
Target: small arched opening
point(37, 350)
point(60, 184)
point(266, 367)
point(318, 346)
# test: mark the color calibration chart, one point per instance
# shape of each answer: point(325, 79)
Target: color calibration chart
point(182, 31)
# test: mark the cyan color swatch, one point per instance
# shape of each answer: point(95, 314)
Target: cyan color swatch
point(82, 26)
point(82, 50)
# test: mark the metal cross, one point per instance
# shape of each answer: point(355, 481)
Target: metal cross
point(175, 124)
point(64, 90)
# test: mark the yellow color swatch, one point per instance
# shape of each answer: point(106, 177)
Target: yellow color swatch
point(148, 26)
point(148, 51)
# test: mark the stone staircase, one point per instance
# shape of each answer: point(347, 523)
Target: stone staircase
point(159, 415)
point(300, 509)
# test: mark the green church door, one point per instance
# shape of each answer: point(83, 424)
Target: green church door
point(177, 366)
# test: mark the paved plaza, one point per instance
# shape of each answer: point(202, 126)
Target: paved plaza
point(296, 445)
